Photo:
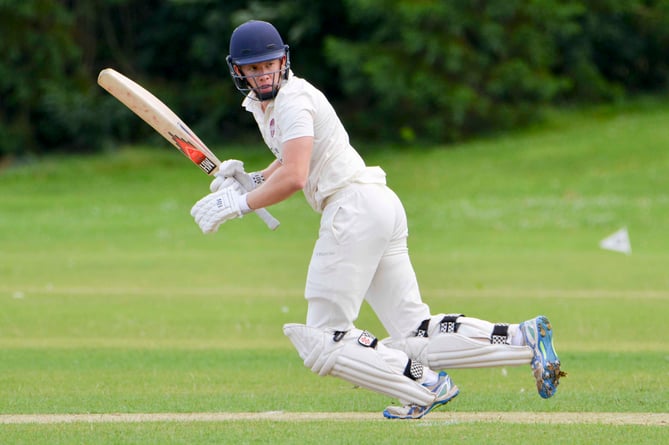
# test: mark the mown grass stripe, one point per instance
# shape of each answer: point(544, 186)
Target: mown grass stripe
point(604, 418)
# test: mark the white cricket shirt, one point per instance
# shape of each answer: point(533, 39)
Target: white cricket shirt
point(299, 110)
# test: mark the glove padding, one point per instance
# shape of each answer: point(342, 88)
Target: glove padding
point(233, 168)
point(221, 206)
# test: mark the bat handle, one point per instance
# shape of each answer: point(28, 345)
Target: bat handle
point(271, 221)
point(246, 183)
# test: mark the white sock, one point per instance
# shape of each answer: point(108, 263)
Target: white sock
point(516, 336)
point(429, 379)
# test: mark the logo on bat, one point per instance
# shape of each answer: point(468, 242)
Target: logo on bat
point(194, 154)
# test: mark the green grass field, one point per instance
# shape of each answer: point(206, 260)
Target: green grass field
point(112, 301)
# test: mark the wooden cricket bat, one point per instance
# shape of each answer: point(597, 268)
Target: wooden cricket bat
point(168, 124)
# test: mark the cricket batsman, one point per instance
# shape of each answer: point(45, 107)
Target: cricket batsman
point(361, 253)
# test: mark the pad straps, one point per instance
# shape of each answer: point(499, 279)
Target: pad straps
point(500, 334)
point(414, 370)
point(447, 325)
point(423, 328)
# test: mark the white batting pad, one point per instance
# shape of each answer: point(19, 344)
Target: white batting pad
point(377, 368)
point(470, 347)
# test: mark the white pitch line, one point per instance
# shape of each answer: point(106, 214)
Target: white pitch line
point(647, 419)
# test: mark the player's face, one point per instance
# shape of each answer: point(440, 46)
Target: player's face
point(263, 77)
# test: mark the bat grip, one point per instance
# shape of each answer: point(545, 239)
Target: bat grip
point(271, 221)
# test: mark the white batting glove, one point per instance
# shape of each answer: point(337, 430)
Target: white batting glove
point(233, 168)
point(230, 168)
point(250, 180)
point(218, 207)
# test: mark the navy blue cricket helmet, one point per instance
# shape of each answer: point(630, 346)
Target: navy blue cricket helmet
point(252, 42)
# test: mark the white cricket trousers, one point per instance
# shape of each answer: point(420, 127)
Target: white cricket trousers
point(361, 254)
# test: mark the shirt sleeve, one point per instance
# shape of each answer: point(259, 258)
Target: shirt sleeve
point(295, 117)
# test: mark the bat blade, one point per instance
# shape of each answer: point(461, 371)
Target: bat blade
point(162, 119)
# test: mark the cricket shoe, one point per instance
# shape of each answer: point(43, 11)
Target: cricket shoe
point(538, 335)
point(444, 391)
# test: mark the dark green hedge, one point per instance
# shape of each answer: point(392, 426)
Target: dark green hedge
point(396, 69)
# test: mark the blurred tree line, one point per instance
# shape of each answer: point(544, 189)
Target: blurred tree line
point(396, 70)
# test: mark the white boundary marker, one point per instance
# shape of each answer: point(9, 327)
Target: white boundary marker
point(648, 419)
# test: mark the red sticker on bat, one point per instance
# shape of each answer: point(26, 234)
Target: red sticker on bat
point(194, 154)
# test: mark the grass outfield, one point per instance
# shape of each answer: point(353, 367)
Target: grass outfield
point(112, 301)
